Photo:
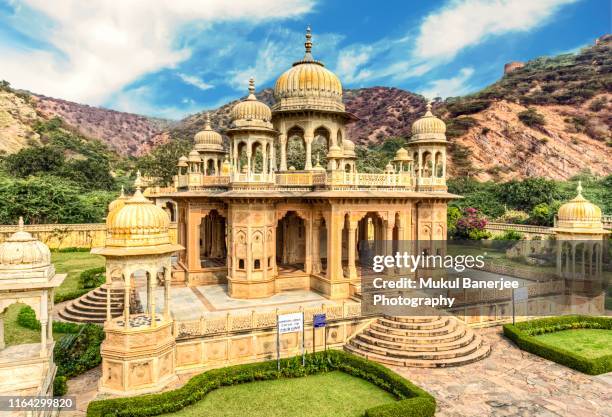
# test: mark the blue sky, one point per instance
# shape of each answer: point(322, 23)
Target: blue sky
point(170, 58)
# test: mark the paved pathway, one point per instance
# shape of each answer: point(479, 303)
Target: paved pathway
point(512, 382)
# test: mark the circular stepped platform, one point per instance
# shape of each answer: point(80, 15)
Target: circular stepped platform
point(91, 307)
point(424, 342)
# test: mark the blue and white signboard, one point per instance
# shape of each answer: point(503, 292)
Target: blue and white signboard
point(319, 320)
point(290, 323)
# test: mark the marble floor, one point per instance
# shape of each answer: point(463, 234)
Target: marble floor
point(213, 300)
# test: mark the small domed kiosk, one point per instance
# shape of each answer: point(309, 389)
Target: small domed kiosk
point(138, 243)
point(28, 276)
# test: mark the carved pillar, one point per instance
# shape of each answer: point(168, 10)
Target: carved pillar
point(308, 242)
point(44, 316)
point(152, 288)
point(126, 302)
point(193, 239)
point(316, 248)
point(351, 247)
point(308, 140)
point(167, 279)
point(283, 151)
point(334, 246)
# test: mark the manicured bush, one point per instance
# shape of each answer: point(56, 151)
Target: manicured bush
point(510, 235)
point(71, 295)
point(60, 387)
point(92, 278)
point(412, 400)
point(27, 318)
point(523, 335)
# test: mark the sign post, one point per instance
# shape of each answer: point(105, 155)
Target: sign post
point(318, 320)
point(289, 323)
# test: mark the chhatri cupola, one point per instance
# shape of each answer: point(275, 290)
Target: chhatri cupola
point(428, 145)
point(308, 82)
point(207, 140)
point(579, 216)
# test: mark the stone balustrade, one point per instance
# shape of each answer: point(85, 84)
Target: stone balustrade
point(258, 320)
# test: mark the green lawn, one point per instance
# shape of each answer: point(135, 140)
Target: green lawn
point(330, 394)
point(73, 263)
point(589, 343)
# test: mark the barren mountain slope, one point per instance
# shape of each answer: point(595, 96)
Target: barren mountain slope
point(17, 116)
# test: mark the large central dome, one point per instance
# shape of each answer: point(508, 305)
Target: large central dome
point(308, 85)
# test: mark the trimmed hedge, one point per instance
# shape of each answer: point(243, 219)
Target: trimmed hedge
point(523, 334)
point(92, 278)
point(412, 400)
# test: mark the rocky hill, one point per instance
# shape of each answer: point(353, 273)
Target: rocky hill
point(547, 117)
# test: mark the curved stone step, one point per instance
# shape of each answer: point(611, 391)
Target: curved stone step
point(94, 303)
point(458, 333)
point(434, 346)
point(81, 305)
point(480, 353)
point(78, 319)
point(465, 350)
point(449, 327)
point(429, 325)
point(412, 319)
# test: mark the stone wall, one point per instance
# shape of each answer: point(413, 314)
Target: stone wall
point(529, 231)
point(58, 236)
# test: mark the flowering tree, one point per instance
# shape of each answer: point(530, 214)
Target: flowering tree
point(471, 225)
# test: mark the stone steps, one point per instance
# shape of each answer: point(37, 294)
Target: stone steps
point(91, 307)
point(428, 342)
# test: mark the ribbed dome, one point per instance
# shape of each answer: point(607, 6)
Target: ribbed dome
point(429, 125)
point(138, 223)
point(251, 108)
point(308, 83)
point(22, 251)
point(335, 152)
point(194, 156)
point(402, 155)
point(208, 139)
point(580, 212)
point(348, 148)
point(117, 203)
point(182, 162)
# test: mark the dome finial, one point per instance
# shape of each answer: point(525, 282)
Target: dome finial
point(579, 189)
point(251, 89)
point(122, 192)
point(138, 181)
point(308, 45)
point(20, 224)
point(207, 121)
point(428, 108)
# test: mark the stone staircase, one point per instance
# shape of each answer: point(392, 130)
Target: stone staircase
point(91, 307)
point(424, 342)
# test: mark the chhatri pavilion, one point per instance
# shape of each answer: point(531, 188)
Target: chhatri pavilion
point(249, 219)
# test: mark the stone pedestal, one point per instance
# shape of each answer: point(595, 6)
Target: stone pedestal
point(137, 360)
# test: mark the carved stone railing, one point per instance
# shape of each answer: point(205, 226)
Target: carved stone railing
point(254, 320)
point(252, 178)
point(523, 228)
point(195, 180)
point(383, 180)
point(300, 178)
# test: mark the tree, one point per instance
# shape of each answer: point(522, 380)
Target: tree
point(526, 194)
point(31, 161)
point(161, 162)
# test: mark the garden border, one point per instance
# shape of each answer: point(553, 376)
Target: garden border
point(412, 400)
point(522, 334)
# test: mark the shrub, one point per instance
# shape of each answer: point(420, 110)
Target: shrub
point(27, 318)
point(598, 104)
point(532, 118)
point(523, 335)
point(412, 400)
point(92, 278)
point(471, 225)
point(463, 107)
point(60, 386)
point(71, 295)
point(514, 216)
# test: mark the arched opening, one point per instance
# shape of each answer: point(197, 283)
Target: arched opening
point(348, 167)
point(370, 240)
point(210, 167)
point(242, 157)
point(290, 243)
point(427, 164)
point(439, 165)
point(320, 146)
point(339, 138)
point(213, 250)
point(296, 148)
point(257, 161)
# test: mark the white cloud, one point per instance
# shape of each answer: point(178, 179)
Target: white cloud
point(350, 60)
point(449, 87)
point(465, 23)
point(98, 47)
point(195, 81)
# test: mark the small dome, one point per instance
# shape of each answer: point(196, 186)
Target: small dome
point(318, 167)
point(402, 155)
point(138, 223)
point(194, 156)
point(309, 79)
point(182, 162)
point(348, 148)
point(117, 203)
point(389, 167)
point(579, 212)
point(23, 251)
point(251, 108)
point(208, 139)
point(429, 125)
point(335, 152)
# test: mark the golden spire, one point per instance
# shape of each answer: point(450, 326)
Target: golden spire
point(308, 45)
point(122, 192)
point(138, 181)
point(579, 189)
point(251, 89)
point(428, 113)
